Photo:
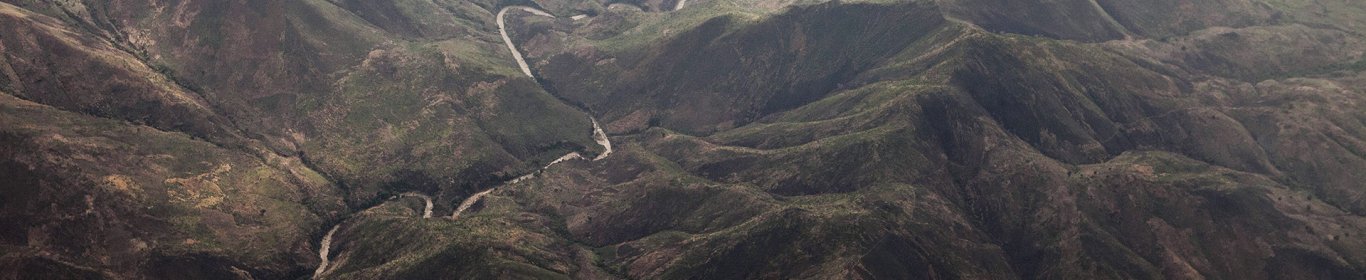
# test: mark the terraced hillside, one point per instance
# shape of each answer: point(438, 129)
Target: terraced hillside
point(773, 139)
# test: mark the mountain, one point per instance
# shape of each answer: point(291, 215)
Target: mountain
point(702, 139)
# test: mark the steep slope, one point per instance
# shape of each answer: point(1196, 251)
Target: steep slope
point(1083, 20)
point(45, 61)
point(122, 172)
point(803, 49)
point(348, 84)
point(1106, 139)
point(129, 201)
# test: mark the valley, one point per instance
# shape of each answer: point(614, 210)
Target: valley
point(703, 139)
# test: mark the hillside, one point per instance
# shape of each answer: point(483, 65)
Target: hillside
point(772, 139)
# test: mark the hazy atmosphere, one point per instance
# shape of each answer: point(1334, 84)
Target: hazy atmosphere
point(683, 139)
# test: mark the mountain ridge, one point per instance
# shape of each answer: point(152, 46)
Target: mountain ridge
point(749, 139)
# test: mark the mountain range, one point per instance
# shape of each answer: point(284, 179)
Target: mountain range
point(683, 139)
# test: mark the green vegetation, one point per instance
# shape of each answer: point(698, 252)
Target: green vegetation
point(977, 139)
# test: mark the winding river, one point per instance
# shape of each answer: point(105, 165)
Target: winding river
point(325, 246)
point(598, 135)
point(426, 211)
point(323, 249)
point(601, 137)
point(502, 30)
point(469, 202)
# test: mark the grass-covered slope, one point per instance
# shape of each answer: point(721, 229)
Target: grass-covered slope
point(753, 139)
